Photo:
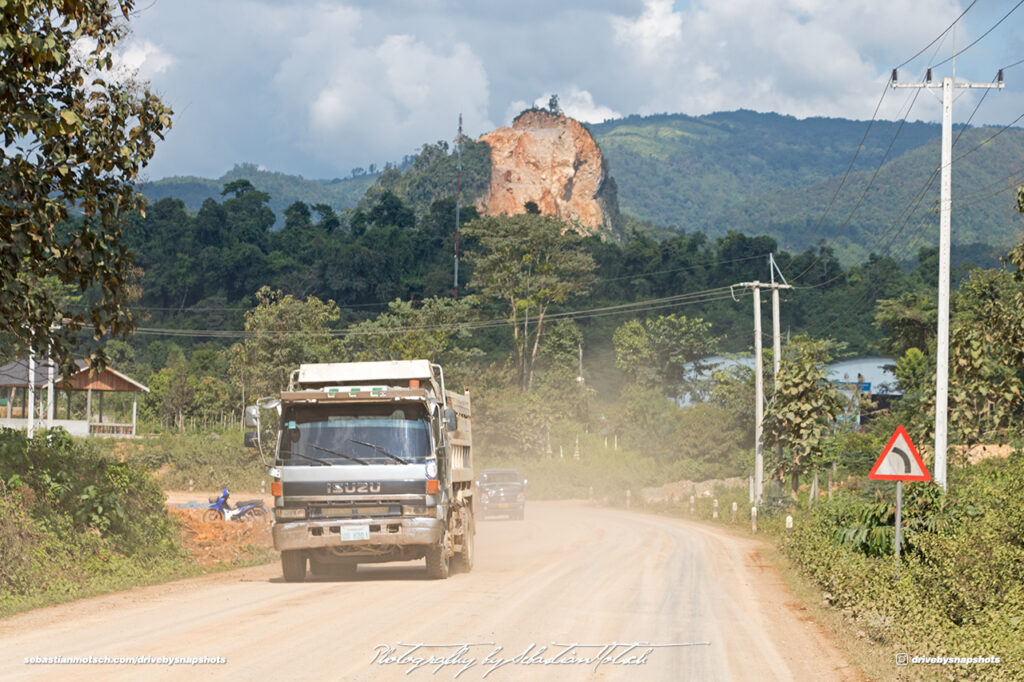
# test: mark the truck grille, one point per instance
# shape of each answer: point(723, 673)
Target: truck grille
point(347, 511)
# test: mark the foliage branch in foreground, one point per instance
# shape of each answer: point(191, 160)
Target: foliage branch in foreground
point(76, 132)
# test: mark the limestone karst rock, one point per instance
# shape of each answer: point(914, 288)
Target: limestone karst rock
point(553, 161)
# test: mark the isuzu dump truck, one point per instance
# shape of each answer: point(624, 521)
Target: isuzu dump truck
point(372, 463)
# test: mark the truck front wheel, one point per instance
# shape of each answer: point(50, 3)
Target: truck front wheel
point(438, 560)
point(464, 559)
point(293, 565)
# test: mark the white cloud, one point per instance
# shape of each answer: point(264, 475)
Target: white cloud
point(320, 86)
point(578, 104)
point(136, 60)
point(798, 57)
point(379, 98)
point(144, 59)
point(655, 29)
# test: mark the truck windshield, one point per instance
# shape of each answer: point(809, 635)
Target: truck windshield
point(354, 434)
point(501, 477)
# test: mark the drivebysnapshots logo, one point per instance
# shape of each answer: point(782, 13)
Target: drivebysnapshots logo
point(906, 659)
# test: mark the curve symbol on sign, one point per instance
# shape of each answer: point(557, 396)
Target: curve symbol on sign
point(905, 457)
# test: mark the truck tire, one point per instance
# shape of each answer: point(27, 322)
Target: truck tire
point(438, 561)
point(293, 565)
point(464, 559)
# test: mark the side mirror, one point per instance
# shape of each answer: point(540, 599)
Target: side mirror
point(251, 440)
point(252, 417)
point(451, 420)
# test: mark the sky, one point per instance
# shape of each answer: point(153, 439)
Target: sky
point(320, 88)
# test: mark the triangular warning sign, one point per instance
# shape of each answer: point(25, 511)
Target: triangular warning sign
point(899, 461)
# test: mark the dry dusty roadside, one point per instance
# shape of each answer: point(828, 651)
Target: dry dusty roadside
point(568, 574)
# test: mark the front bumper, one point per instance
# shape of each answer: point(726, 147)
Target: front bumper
point(384, 532)
point(499, 508)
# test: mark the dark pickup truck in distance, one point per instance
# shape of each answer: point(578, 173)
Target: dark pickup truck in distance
point(502, 492)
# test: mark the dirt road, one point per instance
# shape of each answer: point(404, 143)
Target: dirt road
point(706, 603)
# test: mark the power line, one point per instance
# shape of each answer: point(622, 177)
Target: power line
point(689, 298)
point(867, 188)
point(939, 37)
point(978, 39)
point(680, 269)
point(849, 168)
point(842, 182)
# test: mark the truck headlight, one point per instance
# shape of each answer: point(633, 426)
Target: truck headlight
point(290, 512)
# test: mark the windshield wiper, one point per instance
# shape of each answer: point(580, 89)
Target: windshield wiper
point(379, 449)
point(311, 459)
point(337, 454)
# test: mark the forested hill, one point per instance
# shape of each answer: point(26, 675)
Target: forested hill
point(283, 189)
point(743, 171)
point(776, 175)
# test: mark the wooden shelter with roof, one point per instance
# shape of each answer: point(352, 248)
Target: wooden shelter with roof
point(25, 383)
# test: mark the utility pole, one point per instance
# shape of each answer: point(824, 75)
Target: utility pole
point(776, 332)
point(458, 204)
point(49, 393)
point(759, 378)
point(31, 392)
point(776, 327)
point(945, 207)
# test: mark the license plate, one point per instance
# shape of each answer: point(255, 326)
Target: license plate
point(503, 505)
point(355, 533)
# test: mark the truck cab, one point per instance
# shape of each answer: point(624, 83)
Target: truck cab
point(372, 463)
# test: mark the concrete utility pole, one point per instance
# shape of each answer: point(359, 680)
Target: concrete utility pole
point(776, 327)
point(49, 393)
point(776, 331)
point(31, 393)
point(945, 206)
point(759, 378)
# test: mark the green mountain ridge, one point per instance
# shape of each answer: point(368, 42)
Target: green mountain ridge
point(284, 189)
point(743, 171)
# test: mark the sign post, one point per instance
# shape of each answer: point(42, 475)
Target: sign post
point(899, 462)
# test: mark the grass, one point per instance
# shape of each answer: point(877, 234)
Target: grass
point(126, 579)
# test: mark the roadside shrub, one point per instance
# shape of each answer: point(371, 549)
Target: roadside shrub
point(70, 479)
point(958, 589)
point(19, 538)
point(74, 522)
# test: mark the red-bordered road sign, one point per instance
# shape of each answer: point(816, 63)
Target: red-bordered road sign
point(900, 461)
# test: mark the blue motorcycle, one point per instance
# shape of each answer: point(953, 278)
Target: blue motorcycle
point(221, 510)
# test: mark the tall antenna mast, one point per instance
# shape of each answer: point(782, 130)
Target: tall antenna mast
point(458, 203)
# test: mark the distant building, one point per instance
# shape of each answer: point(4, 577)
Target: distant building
point(80, 399)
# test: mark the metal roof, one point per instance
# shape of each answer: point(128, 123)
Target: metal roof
point(15, 375)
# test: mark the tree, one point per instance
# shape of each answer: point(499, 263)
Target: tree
point(282, 333)
point(986, 356)
point(805, 407)
point(75, 136)
point(432, 331)
point(665, 352)
point(527, 263)
point(908, 322)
